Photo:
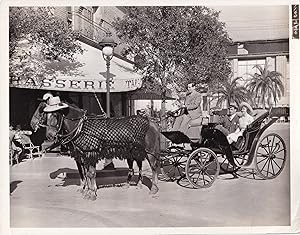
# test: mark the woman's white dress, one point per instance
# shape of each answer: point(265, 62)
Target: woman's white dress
point(244, 121)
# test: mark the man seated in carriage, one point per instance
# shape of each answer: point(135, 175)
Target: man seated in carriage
point(229, 123)
point(193, 103)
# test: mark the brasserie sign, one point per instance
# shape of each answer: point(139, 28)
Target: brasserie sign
point(78, 84)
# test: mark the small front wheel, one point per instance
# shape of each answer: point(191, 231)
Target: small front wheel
point(202, 168)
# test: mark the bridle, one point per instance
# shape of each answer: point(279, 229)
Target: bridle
point(68, 137)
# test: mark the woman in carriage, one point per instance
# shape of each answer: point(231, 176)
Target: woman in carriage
point(245, 119)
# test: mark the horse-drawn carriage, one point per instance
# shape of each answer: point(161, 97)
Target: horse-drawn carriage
point(264, 154)
point(92, 138)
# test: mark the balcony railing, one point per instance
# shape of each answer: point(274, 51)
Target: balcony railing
point(93, 30)
point(89, 29)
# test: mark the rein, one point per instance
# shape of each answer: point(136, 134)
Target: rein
point(67, 138)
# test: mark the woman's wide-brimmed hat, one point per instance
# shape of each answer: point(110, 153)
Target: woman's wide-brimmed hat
point(55, 104)
point(249, 108)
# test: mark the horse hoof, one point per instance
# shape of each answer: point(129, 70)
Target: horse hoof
point(139, 186)
point(81, 190)
point(126, 186)
point(92, 197)
point(154, 189)
point(86, 195)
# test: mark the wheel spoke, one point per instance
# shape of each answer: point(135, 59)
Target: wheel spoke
point(264, 158)
point(268, 167)
point(276, 164)
point(203, 162)
point(264, 164)
point(180, 170)
point(209, 163)
point(206, 173)
point(273, 143)
point(268, 144)
point(199, 163)
point(170, 164)
point(272, 166)
point(279, 151)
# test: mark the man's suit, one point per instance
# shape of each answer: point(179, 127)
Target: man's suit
point(228, 125)
point(193, 104)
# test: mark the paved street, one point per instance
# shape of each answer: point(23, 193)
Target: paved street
point(42, 196)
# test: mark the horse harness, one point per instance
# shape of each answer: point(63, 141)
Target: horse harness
point(97, 137)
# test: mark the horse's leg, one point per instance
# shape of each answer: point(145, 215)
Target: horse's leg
point(81, 171)
point(91, 179)
point(87, 182)
point(130, 172)
point(154, 164)
point(140, 179)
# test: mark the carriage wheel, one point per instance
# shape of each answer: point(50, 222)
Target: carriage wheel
point(202, 168)
point(173, 165)
point(270, 156)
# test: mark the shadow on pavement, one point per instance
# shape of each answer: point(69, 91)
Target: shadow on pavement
point(14, 185)
point(104, 178)
point(248, 174)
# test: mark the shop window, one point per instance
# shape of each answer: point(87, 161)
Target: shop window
point(246, 67)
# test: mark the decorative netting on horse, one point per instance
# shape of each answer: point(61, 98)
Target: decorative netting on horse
point(121, 138)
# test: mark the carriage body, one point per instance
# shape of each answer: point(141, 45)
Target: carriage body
point(264, 154)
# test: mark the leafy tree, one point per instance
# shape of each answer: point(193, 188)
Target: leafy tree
point(266, 85)
point(175, 45)
point(36, 38)
point(231, 91)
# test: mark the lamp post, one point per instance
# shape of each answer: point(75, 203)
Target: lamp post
point(107, 46)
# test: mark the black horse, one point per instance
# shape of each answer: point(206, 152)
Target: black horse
point(93, 138)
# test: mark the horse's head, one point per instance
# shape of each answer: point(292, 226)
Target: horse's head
point(61, 118)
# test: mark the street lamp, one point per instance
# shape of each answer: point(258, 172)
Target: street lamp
point(107, 46)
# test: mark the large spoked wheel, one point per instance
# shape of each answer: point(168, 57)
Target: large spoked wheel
point(202, 168)
point(173, 164)
point(270, 156)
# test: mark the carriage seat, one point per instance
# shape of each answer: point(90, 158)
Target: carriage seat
point(243, 143)
point(195, 127)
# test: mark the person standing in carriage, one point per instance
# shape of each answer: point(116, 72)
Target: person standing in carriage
point(193, 103)
point(229, 123)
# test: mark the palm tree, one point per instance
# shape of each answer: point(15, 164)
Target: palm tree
point(231, 91)
point(266, 85)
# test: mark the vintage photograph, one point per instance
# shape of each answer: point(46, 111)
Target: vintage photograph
point(136, 116)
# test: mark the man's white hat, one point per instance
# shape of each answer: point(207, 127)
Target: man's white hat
point(55, 104)
point(47, 96)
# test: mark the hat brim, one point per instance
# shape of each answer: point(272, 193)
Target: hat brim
point(244, 104)
point(52, 108)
